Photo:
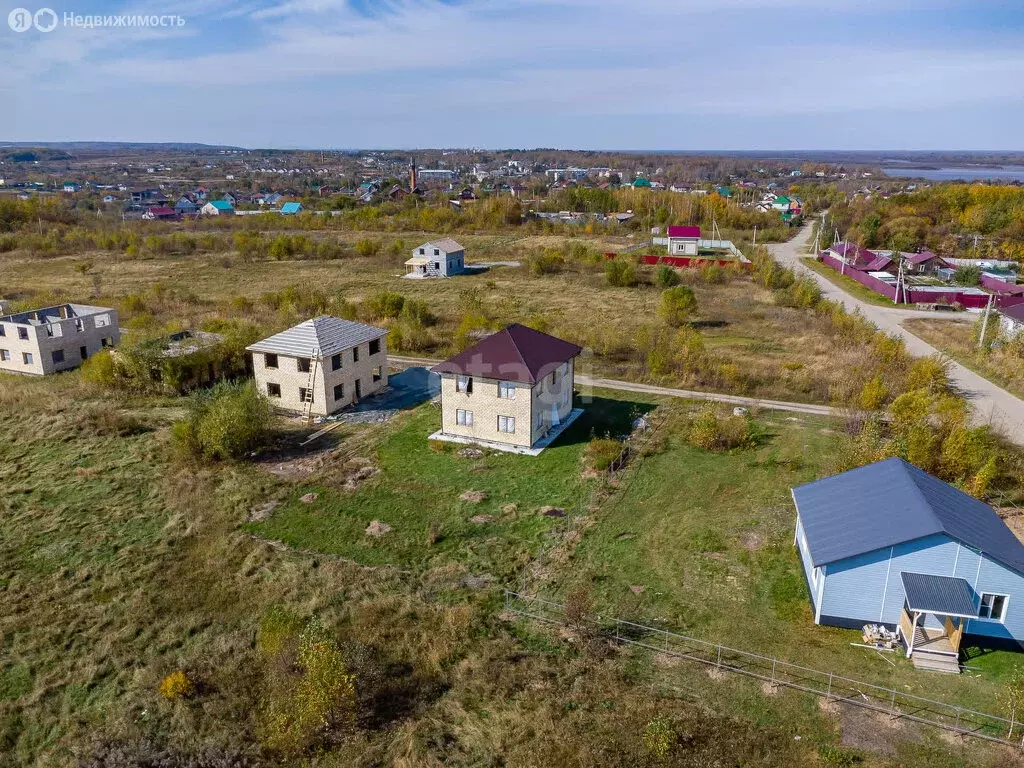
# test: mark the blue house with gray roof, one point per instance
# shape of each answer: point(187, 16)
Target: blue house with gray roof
point(889, 544)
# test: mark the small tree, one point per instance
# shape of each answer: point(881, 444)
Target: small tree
point(967, 275)
point(666, 277)
point(873, 394)
point(621, 273)
point(578, 606)
point(677, 305)
point(227, 422)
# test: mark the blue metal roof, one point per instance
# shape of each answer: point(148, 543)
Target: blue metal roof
point(891, 502)
point(291, 207)
point(944, 595)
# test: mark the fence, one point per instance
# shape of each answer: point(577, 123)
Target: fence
point(890, 701)
point(909, 294)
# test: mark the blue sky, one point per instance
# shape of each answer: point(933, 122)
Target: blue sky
point(591, 74)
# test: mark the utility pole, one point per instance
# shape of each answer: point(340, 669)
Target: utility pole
point(984, 322)
point(755, 235)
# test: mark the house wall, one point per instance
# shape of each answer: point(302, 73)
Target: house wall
point(486, 406)
point(290, 379)
point(868, 588)
point(447, 263)
point(682, 246)
point(98, 331)
point(552, 400)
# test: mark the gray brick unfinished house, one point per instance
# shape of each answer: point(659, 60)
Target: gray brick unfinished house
point(321, 365)
point(52, 339)
point(441, 258)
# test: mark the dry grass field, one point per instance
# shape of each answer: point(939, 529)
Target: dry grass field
point(747, 343)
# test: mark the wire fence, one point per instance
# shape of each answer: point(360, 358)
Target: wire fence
point(776, 672)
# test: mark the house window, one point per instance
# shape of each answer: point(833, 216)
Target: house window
point(375, 347)
point(422, 251)
point(464, 384)
point(355, 354)
point(506, 424)
point(4, 355)
point(3, 331)
point(507, 390)
point(437, 252)
point(336, 362)
point(378, 374)
point(302, 363)
point(58, 355)
point(270, 361)
point(273, 390)
point(305, 395)
point(992, 606)
point(26, 358)
point(437, 265)
point(540, 419)
point(339, 392)
point(79, 326)
point(23, 334)
point(464, 418)
point(102, 321)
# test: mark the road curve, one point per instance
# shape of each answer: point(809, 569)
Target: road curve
point(992, 404)
point(688, 394)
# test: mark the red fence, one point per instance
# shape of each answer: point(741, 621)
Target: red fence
point(695, 262)
point(1001, 286)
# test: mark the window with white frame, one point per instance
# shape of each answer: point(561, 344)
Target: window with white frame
point(463, 418)
point(992, 606)
point(464, 384)
point(507, 424)
point(540, 419)
point(507, 390)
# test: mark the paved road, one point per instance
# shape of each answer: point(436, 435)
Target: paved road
point(992, 405)
point(688, 394)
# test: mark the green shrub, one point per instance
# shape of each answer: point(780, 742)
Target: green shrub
point(666, 277)
point(968, 275)
point(659, 737)
point(100, 370)
point(677, 305)
point(548, 262)
point(602, 452)
point(228, 422)
point(714, 432)
point(385, 305)
point(367, 247)
point(621, 273)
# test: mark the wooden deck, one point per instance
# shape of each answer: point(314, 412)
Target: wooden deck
point(933, 641)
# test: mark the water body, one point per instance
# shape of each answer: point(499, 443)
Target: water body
point(968, 173)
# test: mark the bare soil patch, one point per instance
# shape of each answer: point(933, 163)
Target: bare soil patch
point(473, 497)
point(261, 511)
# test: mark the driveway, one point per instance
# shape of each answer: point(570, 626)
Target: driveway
point(992, 405)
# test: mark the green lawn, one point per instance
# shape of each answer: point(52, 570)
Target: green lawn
point(418, 488)
point(702, 544)
point(852, 287)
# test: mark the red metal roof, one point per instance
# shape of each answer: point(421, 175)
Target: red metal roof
point(516, 353)
point(680, 231)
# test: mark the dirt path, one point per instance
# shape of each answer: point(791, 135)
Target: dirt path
point(689, 394)
point(992, 404)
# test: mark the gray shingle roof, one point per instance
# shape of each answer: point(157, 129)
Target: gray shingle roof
point(329, 335)
point(445, 245)
point(891, 502)
point(938, 594)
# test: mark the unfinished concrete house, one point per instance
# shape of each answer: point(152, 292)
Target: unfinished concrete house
point(54, 339)
point(321, 365)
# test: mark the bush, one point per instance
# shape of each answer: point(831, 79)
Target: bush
point(659, 737)
point(714, 432)
point(227, 422)
point(548, 262)
point(621, 273)
point(367, 247)
point(100, 370)
point(176, 685)
point(385, 305)
point(666, 277)
point(602, 452)
point(677, 305)
point(968, 275)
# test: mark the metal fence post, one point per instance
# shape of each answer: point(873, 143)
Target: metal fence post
point(774, 662)
point(828, 693)
point(719, 662)
point(666, 641)
point(892, 703)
